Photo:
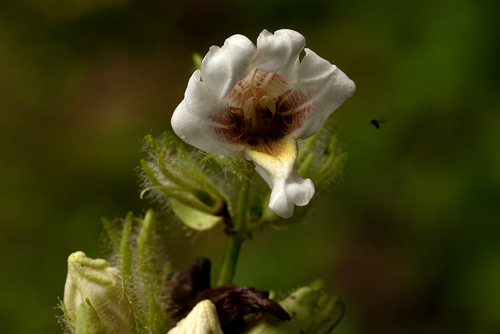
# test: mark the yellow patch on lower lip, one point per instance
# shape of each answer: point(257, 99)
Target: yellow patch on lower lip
point(279, 165)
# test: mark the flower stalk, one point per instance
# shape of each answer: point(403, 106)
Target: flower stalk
point(237, 236)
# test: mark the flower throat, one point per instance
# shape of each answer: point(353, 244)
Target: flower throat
point(257, 105)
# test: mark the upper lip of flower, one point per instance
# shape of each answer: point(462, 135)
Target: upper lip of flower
point(259, 98)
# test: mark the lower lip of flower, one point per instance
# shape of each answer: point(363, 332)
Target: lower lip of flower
point(264, 111)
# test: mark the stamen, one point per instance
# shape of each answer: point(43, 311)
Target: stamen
point(249, 108)
point(254, 103)
point(247, 93)
point(253, 78)
point(267, 102)
point(260, 92)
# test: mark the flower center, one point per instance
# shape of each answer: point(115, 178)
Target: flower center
point(258, 109)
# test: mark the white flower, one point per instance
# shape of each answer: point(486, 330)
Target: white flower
point(96, 280)
point(258, 101)
point(202, 319)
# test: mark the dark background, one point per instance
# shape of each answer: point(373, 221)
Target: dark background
point(410, 237)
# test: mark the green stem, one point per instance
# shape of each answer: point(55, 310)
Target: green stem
point(230, 259)
point(235, 241)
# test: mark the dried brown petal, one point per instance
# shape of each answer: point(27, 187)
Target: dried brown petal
point(186, 284)
point(191, 285)
point(233, 303)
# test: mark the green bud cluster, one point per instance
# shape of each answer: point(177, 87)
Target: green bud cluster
point(128, 298)
point(195, 198)
point(319, 159)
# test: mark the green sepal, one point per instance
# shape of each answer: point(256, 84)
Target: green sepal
point(115, 238)
point(320, 160)
point(193, 218)
point(148, 272)
point(143, 270)
point(177, 192)
point(197, 59)
point(331, 311)
point(147, 263)
point(155, 318)
point(173, 170)
point(87, 320)
point(206, 157)
point(69, 321)
point(126, 253)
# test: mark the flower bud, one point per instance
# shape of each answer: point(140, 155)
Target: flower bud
point(202, 319)
point(96, 281)
point(320, 159)
point(193, 196)
point(310, 310)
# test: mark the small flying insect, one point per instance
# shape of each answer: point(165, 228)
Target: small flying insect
point(377, 123)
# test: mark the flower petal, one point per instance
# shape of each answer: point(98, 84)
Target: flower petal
point(194, 119)
point(224, 66)
point(279, 52)
point(202, 319)
point(288, 188)
point(330, 87)
point(289, 192)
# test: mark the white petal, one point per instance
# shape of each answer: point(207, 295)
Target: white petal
point(192, 129)
point(224, 66)
point(193, 120)
point(287, 187)
point(279, 52)
point(202, 319)
point(289, 192)
point(330, 87)
point(199, 99)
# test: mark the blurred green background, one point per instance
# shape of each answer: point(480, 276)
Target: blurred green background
point(410, 237)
